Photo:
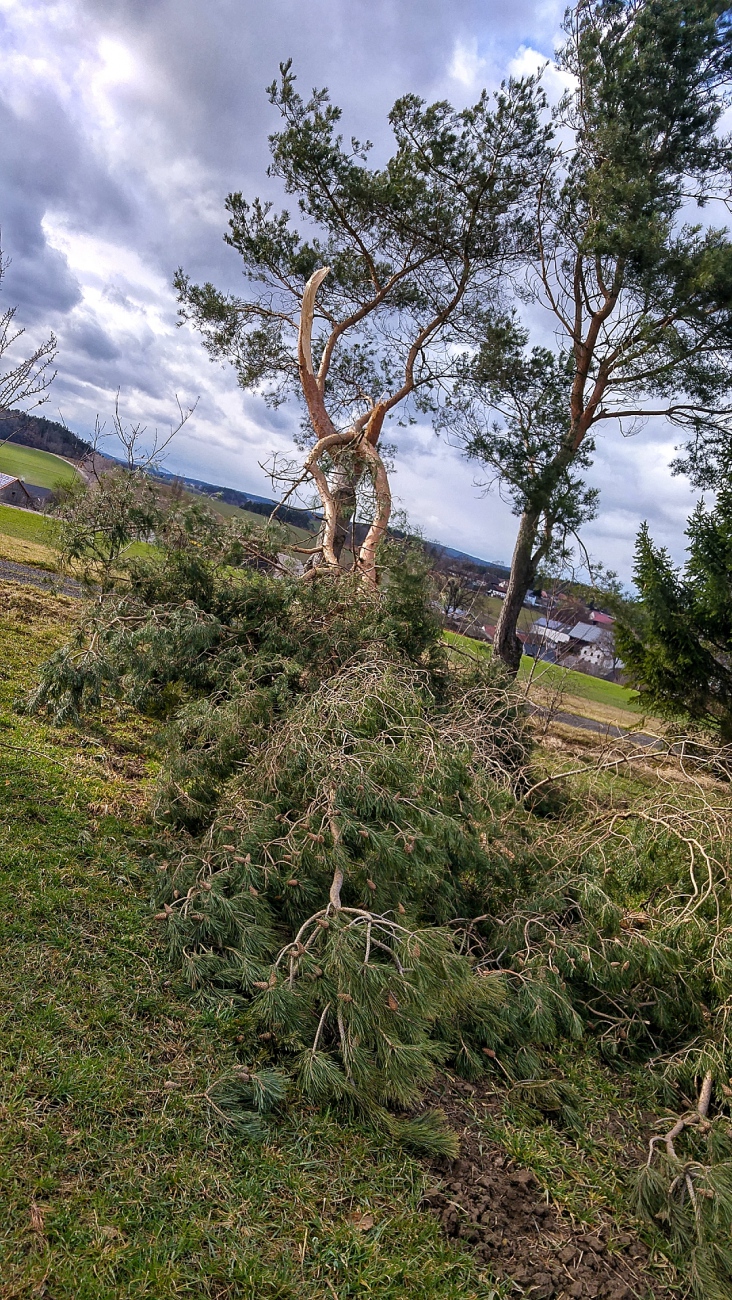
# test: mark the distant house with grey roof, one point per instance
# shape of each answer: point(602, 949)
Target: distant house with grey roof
point(13, 492)
point(584, 645)
point(549, 631)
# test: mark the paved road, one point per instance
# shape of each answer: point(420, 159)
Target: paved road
point(31, 576)
point(606, 729)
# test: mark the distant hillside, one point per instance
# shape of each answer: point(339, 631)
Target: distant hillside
point(44, 435)
point(245, 500)
point(311, 520)
point(444, 554)
point(49, 435)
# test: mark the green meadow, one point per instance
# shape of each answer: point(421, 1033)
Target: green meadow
point(40, 468)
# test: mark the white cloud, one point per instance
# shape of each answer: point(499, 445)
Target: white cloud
point(118, 63)
point(527, 62)
point(466, 65)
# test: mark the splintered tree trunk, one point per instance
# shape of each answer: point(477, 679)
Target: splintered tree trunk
point(358, 444)
point(345, 504)
point(506, 644)
point(344, 507)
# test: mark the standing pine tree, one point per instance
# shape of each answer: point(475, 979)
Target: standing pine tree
point(640, 295)
point(517, 445)
point(677, 645)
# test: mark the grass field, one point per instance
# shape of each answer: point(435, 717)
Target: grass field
point(27, 525)
point(27, 538)
point(569, 691)
point(37, 467)
point(491, 607)
point(579, 685)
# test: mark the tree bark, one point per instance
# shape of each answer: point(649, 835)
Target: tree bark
point(344, 505)
point(357, 451)
point(506, 644)
point(366, 559)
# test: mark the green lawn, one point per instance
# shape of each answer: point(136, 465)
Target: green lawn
point(491, 606)
point(26, 524)
point(29, 526)
point(114, 1179)
point(553, 677)
point(37, 467)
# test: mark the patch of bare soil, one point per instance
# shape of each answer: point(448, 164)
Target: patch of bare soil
point(496, 1207)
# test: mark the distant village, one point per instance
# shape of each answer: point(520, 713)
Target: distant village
point(565, 630)
point(585, 642)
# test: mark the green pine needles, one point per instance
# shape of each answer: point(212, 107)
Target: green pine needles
point(367, 880)
point(320, 903)
point(677, 641)
point(689, 1190)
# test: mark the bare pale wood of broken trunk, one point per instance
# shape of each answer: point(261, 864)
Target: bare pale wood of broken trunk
point(361, 439)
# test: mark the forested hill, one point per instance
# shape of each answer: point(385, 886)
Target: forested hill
point(258, 505)
point(46, 435)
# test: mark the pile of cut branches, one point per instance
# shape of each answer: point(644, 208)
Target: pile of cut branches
point(639, 931)
point(368, 877)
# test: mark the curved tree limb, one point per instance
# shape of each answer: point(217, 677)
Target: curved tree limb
point(312, 391)
point(330, 509)
point(380, 522)
point(684, 1122)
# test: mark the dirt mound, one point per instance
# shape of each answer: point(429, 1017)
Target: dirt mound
point(489, 1202)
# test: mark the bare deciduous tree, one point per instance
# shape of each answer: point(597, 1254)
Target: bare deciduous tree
point(27, 381)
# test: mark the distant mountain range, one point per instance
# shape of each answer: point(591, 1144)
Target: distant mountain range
point(311, 519)
point(50, 435)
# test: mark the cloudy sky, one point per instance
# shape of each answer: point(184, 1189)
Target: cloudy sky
point(124, 124)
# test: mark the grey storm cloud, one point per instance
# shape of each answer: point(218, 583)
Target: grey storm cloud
point(124, 124)
point(91, 340)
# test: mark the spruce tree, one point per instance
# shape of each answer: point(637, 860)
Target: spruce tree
point(677, 643)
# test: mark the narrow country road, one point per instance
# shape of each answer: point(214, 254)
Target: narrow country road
point(30, 576)
point(603, 728)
